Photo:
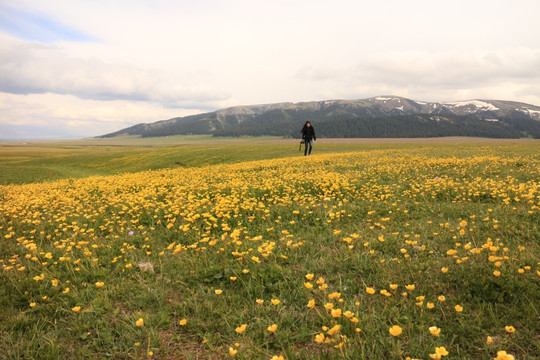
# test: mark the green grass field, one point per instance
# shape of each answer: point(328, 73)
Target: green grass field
point(192, 248)
point(27, 162)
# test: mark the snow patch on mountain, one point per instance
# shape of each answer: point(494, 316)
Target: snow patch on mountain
point(533, 112)
point(477, 103)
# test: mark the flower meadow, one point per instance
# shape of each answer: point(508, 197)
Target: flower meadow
point(409, 253)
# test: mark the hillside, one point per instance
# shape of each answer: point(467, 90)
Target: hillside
point(382, 116)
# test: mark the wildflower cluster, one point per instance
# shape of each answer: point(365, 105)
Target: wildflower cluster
point(283, 256)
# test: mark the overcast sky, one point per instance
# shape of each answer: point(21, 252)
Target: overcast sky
point(76, 68)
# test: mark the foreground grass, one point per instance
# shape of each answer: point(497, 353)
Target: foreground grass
point(311, 258)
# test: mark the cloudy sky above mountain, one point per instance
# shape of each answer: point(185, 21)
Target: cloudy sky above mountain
point(76, 68)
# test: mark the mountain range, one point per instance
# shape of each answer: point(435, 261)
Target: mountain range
point(381, 116)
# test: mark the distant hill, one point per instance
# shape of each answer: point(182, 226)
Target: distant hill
point(382, 116)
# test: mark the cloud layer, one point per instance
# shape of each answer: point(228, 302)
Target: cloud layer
point(95, 67)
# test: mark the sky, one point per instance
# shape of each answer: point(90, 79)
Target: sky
point(84, 68)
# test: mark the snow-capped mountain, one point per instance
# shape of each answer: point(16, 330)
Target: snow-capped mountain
point(283, 118)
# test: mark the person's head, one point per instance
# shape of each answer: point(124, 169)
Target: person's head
point(307, 124)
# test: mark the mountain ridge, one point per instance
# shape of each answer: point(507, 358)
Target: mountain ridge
point(495, 117)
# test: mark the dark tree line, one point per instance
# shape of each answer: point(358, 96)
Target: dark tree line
point(282, 123)
point(392, 126)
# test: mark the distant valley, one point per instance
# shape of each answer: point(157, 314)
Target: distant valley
point(381, 116)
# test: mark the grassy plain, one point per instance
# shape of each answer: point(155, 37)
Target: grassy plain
point(215, 250)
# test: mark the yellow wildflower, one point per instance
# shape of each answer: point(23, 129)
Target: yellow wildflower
point(319, 338)
point(241, 328)
point(395, 330)
point(509, 329)
point(435, 331)
point(370, 290)
point(441, 351)
point(334, 330)
point(503, 355)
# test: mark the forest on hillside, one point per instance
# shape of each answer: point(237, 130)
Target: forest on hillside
point(418, 125)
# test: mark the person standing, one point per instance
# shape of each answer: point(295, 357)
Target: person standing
point(308, 135)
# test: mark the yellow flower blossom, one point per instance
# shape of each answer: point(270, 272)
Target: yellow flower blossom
point(509, 329)
point(334, 295)
point(240, 329)
point(272, 328)
point(435, 331)
point(441, 351)
point(395, 330)
point(139, 322)
point(503, 355)
point(334, 330)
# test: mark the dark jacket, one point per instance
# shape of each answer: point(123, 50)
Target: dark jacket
point(308, 133)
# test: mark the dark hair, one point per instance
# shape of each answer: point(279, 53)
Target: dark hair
point(305, 125)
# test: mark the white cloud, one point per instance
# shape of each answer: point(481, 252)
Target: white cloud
point(75, 116)
point(437, 76)
point(32, 68)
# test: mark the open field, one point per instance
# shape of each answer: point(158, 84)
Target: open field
point(383, 250)
point(25, 162)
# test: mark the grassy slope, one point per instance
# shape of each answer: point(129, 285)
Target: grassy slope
point(53, 160)
point(325, 217)
point(28, 162)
